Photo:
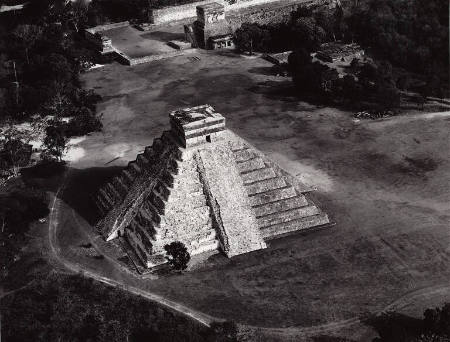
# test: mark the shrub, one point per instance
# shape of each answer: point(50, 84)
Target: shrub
point(177, 255)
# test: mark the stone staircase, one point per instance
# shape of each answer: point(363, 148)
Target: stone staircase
point(279, 208)
point(231, 208)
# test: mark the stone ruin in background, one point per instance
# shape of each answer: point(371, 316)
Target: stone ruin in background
point(201, 184)
point(216, 21)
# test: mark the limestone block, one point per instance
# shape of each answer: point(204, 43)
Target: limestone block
point(287, 215)
point(258, 175)
point(272, 195)
point(251, 165)
point(295, 225)
point(284, 204)
point(265, 185)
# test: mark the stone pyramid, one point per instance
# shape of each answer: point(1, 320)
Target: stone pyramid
point(204, 186)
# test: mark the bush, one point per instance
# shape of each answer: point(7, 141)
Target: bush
point(177, 255)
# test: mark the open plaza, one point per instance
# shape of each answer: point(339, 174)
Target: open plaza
point(225, 170)
point(388, 248)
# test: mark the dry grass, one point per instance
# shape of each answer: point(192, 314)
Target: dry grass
point(392, 231)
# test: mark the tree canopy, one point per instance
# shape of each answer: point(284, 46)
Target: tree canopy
point(74, 308)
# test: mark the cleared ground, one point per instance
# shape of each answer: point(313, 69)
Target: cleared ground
point(385, 183)
point(135, 43)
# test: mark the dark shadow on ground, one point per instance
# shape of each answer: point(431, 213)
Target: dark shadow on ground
point(82, 187)
point(324, 338)
point(267, 71)
point(395, 327)
point(163, 36)
point(282, 90)
point(46, 176)
point(227, 53)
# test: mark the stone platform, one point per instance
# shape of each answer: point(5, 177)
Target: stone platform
point(206, 187)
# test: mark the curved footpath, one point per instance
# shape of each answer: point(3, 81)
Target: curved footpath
point(53, 224)
point(205, 319)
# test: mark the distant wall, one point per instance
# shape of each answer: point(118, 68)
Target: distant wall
point(276, 13)
point(175, 13)
point(182, 12)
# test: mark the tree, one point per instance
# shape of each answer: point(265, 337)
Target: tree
point(311, 77)
point(60, 67)
point(177, 255)
point(252, 37)
point(306, 30)
point(350, 89)
point(437, 320)
point(26, 35)
point(55, 140)
point(86, 98)
point(368, 74)
point(78, 13)
point(387, 96)
point(330, 21)
point(59, 103)
point(404, 82)
point(299, 63)
point(16, 154)
point(17, 211)
point(410, 34)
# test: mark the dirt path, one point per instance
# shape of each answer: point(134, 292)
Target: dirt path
point(391, 236)
point(422, 295)
point(7, 293)
point(55, 249)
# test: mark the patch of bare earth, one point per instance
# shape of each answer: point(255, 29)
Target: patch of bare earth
point(384, 183)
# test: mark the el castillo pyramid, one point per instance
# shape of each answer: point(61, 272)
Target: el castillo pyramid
point(201, 184)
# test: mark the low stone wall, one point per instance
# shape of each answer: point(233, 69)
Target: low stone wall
point(140, 60)
point(94, 35)
point(277, 58)
point(101, 28)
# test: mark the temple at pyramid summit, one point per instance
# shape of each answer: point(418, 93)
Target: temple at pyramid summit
point(201, 184)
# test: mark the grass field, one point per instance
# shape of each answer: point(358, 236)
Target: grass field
point(385, 183)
